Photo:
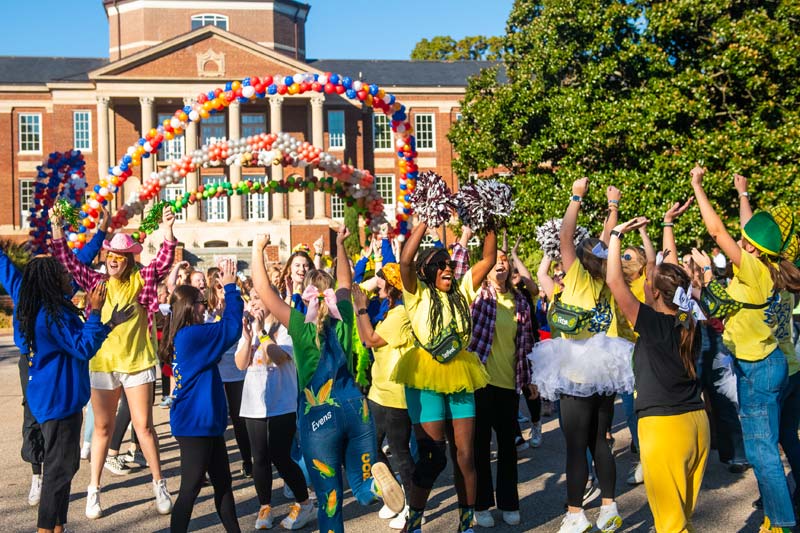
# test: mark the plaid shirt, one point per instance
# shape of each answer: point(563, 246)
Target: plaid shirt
point(152, 274)
point(460, 256)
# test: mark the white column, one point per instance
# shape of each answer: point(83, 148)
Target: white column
point(317, 139)
point(148, 119)
point(276, 126)
point(234, 132)
point(192, 182)
point(102, 136)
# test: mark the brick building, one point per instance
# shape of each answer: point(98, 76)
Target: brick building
point(163, 53)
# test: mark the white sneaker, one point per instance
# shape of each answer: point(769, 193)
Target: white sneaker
point(163, 499)
point(575, 523)
point(484, 518)
point(536, 434)
point(636, 476)
point(387, 487)
point(385, 513)
point(511, 518)
point(36, 490)
point(86, 449)
point(609, 519)
point(264, 518)
point(287, 492)
point(399, 521)
point(93, 509)
point(116, 465)
point(133, 458)
point(299, 516)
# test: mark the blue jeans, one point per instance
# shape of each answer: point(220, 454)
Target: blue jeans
point(790, 420)
point(332, 435)
point(631, 417)
point(760, 384)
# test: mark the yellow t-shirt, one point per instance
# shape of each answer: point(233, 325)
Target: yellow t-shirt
point(129, 347)
point(637, 288)
point(584, 291)
point(747, 334)
point(418, 305)
point(395, 329)
point(502, 362)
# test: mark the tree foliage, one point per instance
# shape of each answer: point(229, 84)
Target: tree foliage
point(445, 48)
point(352, 244)
point(633, 93)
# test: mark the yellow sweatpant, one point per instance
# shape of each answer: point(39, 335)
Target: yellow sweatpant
point(674, 453)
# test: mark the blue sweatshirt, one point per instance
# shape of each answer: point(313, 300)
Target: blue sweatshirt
point(199, 408)
point(11, 278)
point(58, 377)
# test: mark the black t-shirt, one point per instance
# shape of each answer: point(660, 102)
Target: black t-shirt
point(663, 386)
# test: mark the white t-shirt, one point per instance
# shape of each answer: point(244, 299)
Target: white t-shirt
point(269, 389)
point(227, 365)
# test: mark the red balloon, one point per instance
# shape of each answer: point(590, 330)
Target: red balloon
point(316, 87)
point(329, 88)
point(362, 94)
point(340, 89)
point(282, 89)
point(267, 80)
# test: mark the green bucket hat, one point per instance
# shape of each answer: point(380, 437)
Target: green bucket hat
point(764, 233)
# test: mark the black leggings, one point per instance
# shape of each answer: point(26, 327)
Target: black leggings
point(233, 392)
point(198, 456)
point(584, 422)
point(395, 425)
point(271, 442)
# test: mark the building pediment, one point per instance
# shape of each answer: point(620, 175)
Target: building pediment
point(205, 53)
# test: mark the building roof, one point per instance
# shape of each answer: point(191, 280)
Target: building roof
point(18, 70)
point(387, 73)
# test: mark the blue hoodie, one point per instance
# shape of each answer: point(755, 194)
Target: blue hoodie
point(58, 377)
point(199, 408)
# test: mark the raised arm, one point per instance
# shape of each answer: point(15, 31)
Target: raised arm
point(612, 216)
point(712, 221)
point(85, 277)
point(159, 267)
point(344, 278)
point(272, 300)
point(88, 253)
point(570, 223)
point(668, 238)
point(10, 277)
point(649, 249)
point(244, 351)
point(524, 273)
point(745, 211)
point(365, 330)
point(172, 279)
point(318, 245)
point(487, 260)
point(627, 302)
point(545, 280)
point(407, 264)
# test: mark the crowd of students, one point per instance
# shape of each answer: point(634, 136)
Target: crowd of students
point(319, 364)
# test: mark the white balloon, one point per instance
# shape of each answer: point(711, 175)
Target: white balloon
point(357, 85)
point(298, 78)
point(194, 116)
point(323, 79)
point(249, 91)
point(103, 191)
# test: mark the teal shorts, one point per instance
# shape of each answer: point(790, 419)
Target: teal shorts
point(430, 406)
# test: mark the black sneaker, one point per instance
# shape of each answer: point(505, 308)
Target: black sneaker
point(247, 471)
point(738, 468)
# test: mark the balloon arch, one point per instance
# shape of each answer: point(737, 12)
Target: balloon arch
point(62, 178)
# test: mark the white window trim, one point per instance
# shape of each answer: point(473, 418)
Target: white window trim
point(344, 131)
point(25, 213)
point(433, 131)
point(74, 132)
point(199, 16)
point(264, 197)
point(334, 217)
point(391, 134)
point(222, 201)
point(390, 205)
point(19, 133)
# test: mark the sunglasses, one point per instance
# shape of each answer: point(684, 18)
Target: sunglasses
point(444, 264)
point(627, 257)
point(113, 256)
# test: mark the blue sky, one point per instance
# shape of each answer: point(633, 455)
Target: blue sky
point(336, 29)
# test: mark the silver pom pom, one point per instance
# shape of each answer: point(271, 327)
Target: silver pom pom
point(484, 205)
point(547, 235)
point(431, 199)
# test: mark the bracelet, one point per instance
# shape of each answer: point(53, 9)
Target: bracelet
point(617, 234)
point(362, 311)
point(707, 268)
point(576, 198)
point(667, 224)
point(745, 194)
point(615, 202)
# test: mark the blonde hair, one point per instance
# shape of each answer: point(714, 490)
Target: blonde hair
point(322, 281)
point(633, 269)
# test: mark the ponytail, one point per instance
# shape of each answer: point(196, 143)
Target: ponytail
point(667, 278)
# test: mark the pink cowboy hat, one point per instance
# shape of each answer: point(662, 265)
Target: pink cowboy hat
point(122, 243)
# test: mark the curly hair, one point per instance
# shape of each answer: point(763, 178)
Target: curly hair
point(40, 291)
point(457, 302)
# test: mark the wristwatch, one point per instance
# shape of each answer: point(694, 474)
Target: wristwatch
point(362, 311)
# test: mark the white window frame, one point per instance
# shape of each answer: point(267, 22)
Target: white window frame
point(30, 185)
point(216, 209)
point(210, 19)
point(337, 207)
point(336, 140)
point(171, 150)
point(209, 123)
point(458, 116)
point(39, 142)
point(426, 242)
point(386, 183)
point(417, 117)
point(172, 192)
point(258, 202)
point(88, 122)
point(375, 118)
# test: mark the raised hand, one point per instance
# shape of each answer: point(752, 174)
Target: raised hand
point(341, 235)
point(697, 174)
point(318, 245)
point(359, 298)
point(580, 187)
point(168, 215)
point(120, 316)
point(677, 210)
point(261, 241)
point(613, 194)
point(740, 182)
point(632, 224)
point(227, 269)
point(97, 296)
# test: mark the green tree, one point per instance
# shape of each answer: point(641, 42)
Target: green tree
point(445, 48)
point(352, 244)
point(633, 93)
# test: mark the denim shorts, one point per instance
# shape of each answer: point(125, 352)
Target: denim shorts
point(430, 406)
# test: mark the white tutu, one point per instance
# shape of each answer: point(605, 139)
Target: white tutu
point(597, 365)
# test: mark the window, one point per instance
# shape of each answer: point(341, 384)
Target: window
point(210, 19)
point(384, 183)
point(337, 207)
point(212, 129)
point(458, 117)
point(170, 150)
point(258, 203)
point(423, 126)
point(253, 124)
point(336, 130)
point(382, 132)
point(173, 192)
point(26, 188)
point(82, 130)
point(30, 132)
point(217, 207)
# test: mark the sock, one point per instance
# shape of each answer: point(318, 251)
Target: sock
point(465, 515)
point(36, 468)
point(414, 522)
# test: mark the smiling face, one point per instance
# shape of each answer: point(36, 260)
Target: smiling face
point(444, 274)
point(499, 274)
point(298, 269)
point(382, 293)
point(117, 264)
point(198, 281)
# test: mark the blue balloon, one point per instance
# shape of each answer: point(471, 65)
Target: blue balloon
point(351, 93)
point(272, 89)
point(347, 81)
point(316, 77)
point(391, 99)
point(243, 100)
point(146, 155)
point(142, 141)
point(123, 166)
point(246, 82)
point(288, 80)
point(81, 229)
point(334, 79)
point(228, 86)
point(373, 89)
point(126, 158)
point(96, 188)
point(187, 109)
point(403, 186)
point(211, 95)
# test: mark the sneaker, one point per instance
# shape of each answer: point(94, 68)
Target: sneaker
point(636, 476)
point(86, 449)
point(738, 468)
point(388, 488)
point(166, 403)
point(522, 445)
point(575, 523)
point(133, 458)
point(264, 518)
point(766, 527)
point(163, 499)
point(117, 466)
point(399, 521)
point(385, 513)
point(591, 492)
point(246, 471)
point(287, 492)
point(484, 518)
point(511, 518)
point(299, 516)
point(536, 434)
point(93, 509)
point(36, 490)
point(609, 519)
